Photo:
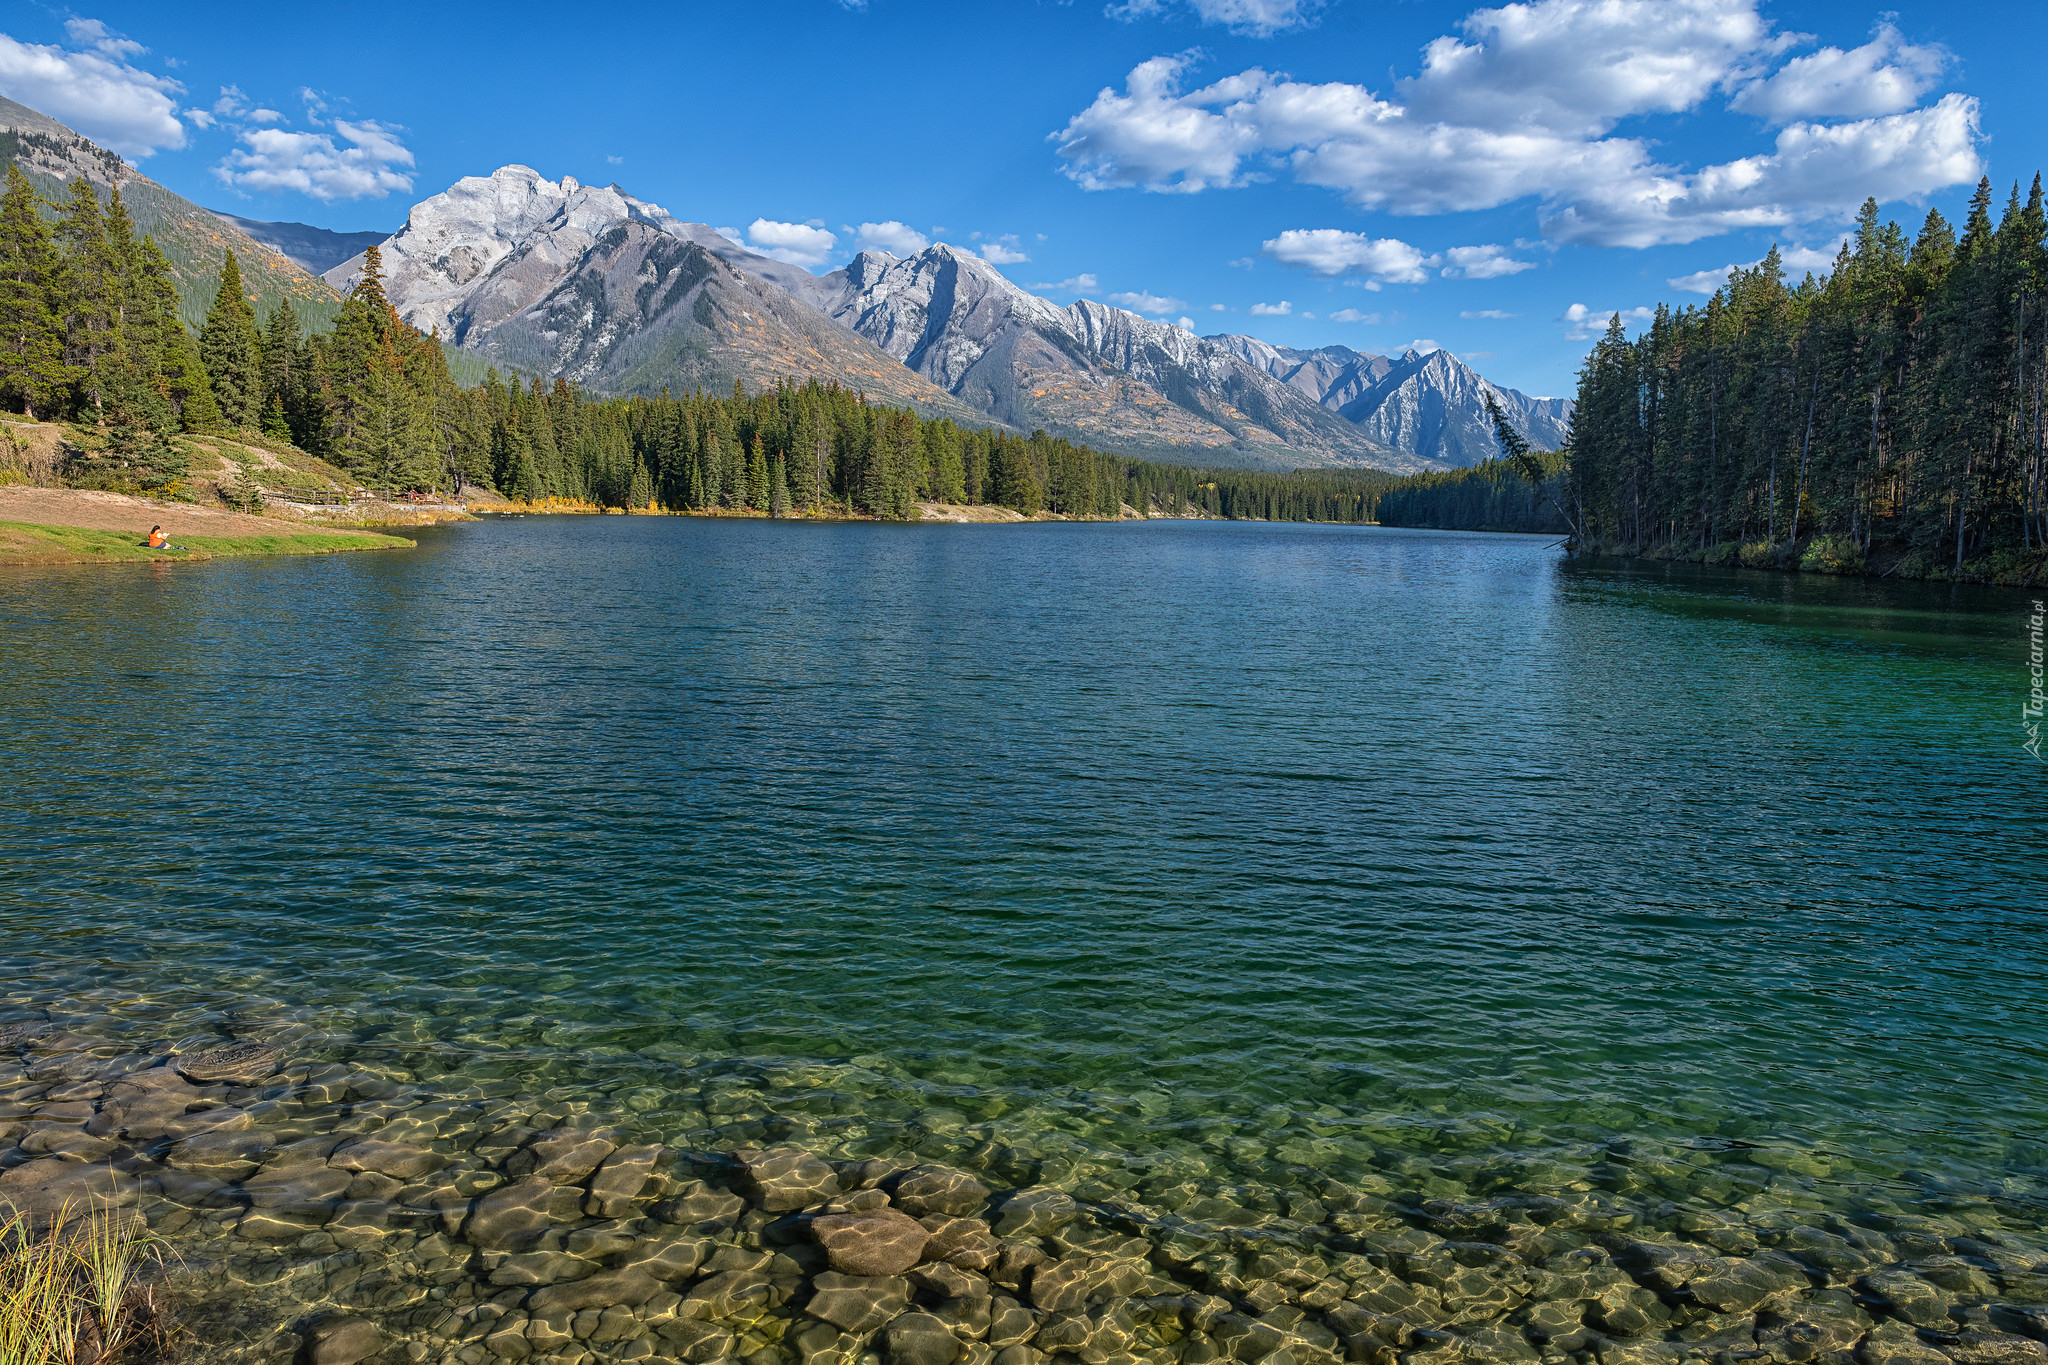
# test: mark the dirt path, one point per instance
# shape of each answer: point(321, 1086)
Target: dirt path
point(96, 511)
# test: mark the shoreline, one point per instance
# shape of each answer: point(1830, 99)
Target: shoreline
point(88, 526)
point(30, 543)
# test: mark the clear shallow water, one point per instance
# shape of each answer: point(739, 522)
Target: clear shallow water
point(1211, 858)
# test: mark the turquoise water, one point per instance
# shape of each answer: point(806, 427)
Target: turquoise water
point(1174, 861)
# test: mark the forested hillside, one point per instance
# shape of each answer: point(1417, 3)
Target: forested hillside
point(1891, 412)
point(54, 157)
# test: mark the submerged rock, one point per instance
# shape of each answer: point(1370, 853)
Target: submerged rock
point(343, 1341)
point(784, 1179)
point(241, 1064)
point(883, 1242)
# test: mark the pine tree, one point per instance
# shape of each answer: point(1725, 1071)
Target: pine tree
point(281, 357)
point(32, 371)
point(778, 490)
point(91, 298)
point(231, 351)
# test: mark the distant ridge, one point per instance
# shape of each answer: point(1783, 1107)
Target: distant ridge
point(1428, 404)
point(311, 248)
point(1098, 374)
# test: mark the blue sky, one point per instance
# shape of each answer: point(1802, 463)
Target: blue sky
point(1494, 181)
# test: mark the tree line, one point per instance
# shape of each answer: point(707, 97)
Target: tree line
point(89, 333)
point(1493, 495)
point(1893, 408)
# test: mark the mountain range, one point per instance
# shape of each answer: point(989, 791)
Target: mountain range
point(557, 277)
point(589, 283)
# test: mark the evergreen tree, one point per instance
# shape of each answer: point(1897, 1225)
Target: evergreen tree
point(231, 351)
point(32, 371)
point(757, 477)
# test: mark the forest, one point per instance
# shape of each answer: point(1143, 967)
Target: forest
point(1889, 414)
point(89, 333)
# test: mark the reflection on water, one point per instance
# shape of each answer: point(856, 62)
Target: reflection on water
point(1219, 939)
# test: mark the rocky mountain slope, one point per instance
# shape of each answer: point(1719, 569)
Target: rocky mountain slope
point(1430, 405)
point(1099, 375)
point(308, 247)
point(616, 293)
point(52, 155)
point(583, 281)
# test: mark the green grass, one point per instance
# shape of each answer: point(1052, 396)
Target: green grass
point(26, 543)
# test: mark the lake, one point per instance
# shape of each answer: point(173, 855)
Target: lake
point(1412, 941)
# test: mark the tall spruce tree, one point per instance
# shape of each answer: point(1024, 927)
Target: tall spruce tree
point(231, 351)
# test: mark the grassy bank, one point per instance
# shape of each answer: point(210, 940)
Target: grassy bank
point(27, 543)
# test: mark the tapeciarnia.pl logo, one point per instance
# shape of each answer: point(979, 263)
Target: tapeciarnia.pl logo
point(2030, 711)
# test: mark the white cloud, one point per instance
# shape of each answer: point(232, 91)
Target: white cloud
point(265, 116)
point(732, 234)
point(1524, 106)
point(231, 102)
point(1884, 76)
point(1186, 324)
point(1216, 308)
point(1421, 346)
point(892, 237)
point(1479, 263)
point(1798, 262)
point(1494, 313)
point(1272, 310)
point(1079, 284)
point(1152, 305)
point(1353, 315)
point(1003, 251)
point(96, 35)
point(98, 92)
point(1585, 324)
point(1253, 18)
point(804, 244)
point(1332, 251)
point(312, 164)
point(614, 160)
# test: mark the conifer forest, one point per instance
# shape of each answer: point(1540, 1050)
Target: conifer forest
point(1892, 410)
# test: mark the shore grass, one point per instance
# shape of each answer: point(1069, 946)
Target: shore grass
point(28, 543)
point(73, 1295)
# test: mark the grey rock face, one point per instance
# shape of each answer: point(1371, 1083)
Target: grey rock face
point(1431, 406)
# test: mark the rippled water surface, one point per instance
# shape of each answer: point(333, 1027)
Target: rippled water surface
point(1155, 864)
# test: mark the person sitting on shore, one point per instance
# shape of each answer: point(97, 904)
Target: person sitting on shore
point(157, 539)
